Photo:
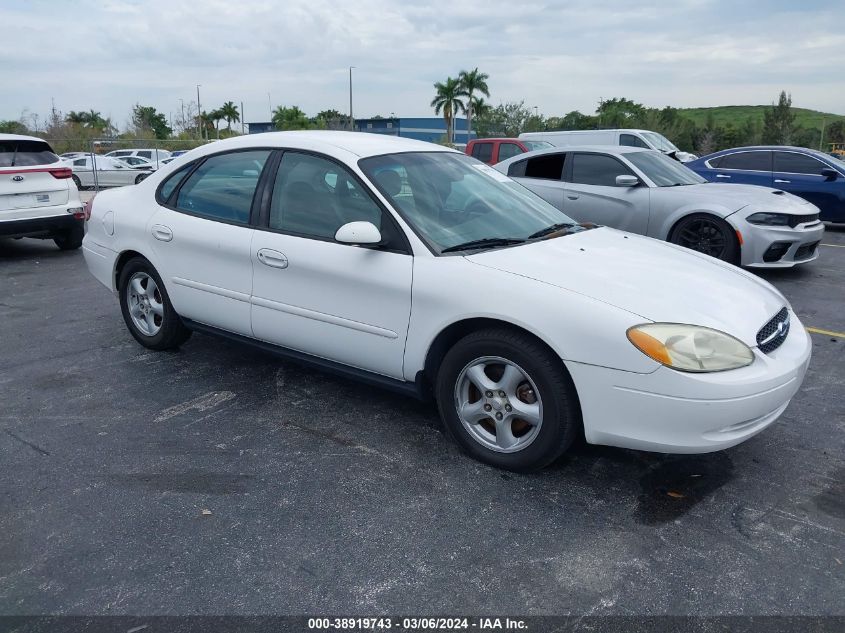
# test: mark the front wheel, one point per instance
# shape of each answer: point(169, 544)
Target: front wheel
point(146, 308)
point(507, 400)
point(140, 177)
point(709, 235)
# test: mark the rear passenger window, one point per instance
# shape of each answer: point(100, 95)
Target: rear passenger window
point(629, 140)
point(793, 163)
point(597, 169)
point(483, 152)
point(506, 150)
point(222, 187)
point(547, 166)
point(145, 154)
point(747, 161)
point(169, 185)
point(517, 169)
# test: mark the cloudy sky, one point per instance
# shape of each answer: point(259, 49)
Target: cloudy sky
point(559, 56)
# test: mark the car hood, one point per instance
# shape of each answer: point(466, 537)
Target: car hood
point(655, 280)
point(735, 197)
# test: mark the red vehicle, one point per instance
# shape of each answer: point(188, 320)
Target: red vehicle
point(494, 150)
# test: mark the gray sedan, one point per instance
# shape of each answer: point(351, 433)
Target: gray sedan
point(645, 192)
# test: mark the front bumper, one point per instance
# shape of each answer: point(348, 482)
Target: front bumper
point(675, 412)
point(39, 227)
point(761, 242)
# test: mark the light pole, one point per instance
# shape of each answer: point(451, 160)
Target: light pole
point(270, 106)
point(199, 112)
point(243, 130)
point(351, 119)
point(182, 102)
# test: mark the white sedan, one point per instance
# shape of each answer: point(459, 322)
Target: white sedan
point(417, 268)
point(111, 172)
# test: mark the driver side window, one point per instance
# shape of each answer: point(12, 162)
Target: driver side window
point(314, 197)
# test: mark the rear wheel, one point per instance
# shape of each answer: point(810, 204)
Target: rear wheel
point(140, 177)
point(146, 308)
point(709, 235)
point(71, 239)
point(507, 400)
point(77, 181)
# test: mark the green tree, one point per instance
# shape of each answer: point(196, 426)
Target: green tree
point(13, 127)
point(779, 121)
point(835, 132)
point(447, 99)
point(473, 82)
point(619, 112)
point(290, 118)
point(146, 117)
point(230, 113)
point(216, 116)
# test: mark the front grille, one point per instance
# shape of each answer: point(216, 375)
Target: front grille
point(803, 252)
point(768, 338)
point(795, 220)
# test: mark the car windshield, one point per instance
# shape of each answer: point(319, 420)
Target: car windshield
point(453, 200)
point(662, 170)
point(532, 145)
point(660, 142)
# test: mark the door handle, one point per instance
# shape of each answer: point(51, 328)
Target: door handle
point(573, 197)
point(784, 181)
point(162, 233)
point(269, 257)
point(722, 176)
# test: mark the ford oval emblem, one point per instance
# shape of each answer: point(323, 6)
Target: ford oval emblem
point(17, 178)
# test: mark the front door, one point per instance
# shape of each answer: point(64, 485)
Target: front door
point(344, 303)
point(592, 195)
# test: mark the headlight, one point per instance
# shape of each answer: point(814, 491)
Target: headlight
point(690, 347)
point(769, 219)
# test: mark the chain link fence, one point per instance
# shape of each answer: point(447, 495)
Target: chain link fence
point(109, 162)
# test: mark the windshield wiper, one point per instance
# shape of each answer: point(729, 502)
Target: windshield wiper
point(14, 156)
point(486, 242)
point(551, 229)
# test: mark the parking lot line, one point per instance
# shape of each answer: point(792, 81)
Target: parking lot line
point(815, 330)
point(835, 245)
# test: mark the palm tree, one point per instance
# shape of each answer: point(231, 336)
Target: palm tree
point(216, 116)
point(448, 100)
point(230, 113)
point(291, 118)
point(473, 82)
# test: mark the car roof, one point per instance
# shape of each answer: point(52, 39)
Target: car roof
point(752, 148)
point(361, 144)
point(20, 137)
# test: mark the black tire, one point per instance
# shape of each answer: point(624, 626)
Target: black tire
point(561, 413)
point(707, 234)
point(172, 332)
point(77, 182)
point(71, 239)
point(140, 177)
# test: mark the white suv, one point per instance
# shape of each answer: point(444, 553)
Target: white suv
point(37, 196)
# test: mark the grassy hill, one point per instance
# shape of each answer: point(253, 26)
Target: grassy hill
point(737, 115)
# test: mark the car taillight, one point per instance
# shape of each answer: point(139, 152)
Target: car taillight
point(61, 172)
point(86, 209)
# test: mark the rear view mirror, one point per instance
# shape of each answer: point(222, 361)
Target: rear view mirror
point(363, 233)
point(829, 174)
point(627, 181)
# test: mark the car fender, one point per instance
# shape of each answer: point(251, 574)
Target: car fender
point(667, 213)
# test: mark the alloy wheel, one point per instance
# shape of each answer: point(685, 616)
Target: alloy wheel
point(144, 300)
point(704, 236)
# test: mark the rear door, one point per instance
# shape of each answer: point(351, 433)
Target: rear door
point(201, 237)
point(800, 174)
point(753, 167)
point(543, 175)
point(592, 195)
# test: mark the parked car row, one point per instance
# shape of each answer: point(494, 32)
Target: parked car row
point(414, 267)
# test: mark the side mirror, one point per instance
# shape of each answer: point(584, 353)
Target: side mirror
point(829, 174)
point(627, 181)
point(363, 233)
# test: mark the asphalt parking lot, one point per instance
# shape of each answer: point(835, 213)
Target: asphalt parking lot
point(218, 479)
